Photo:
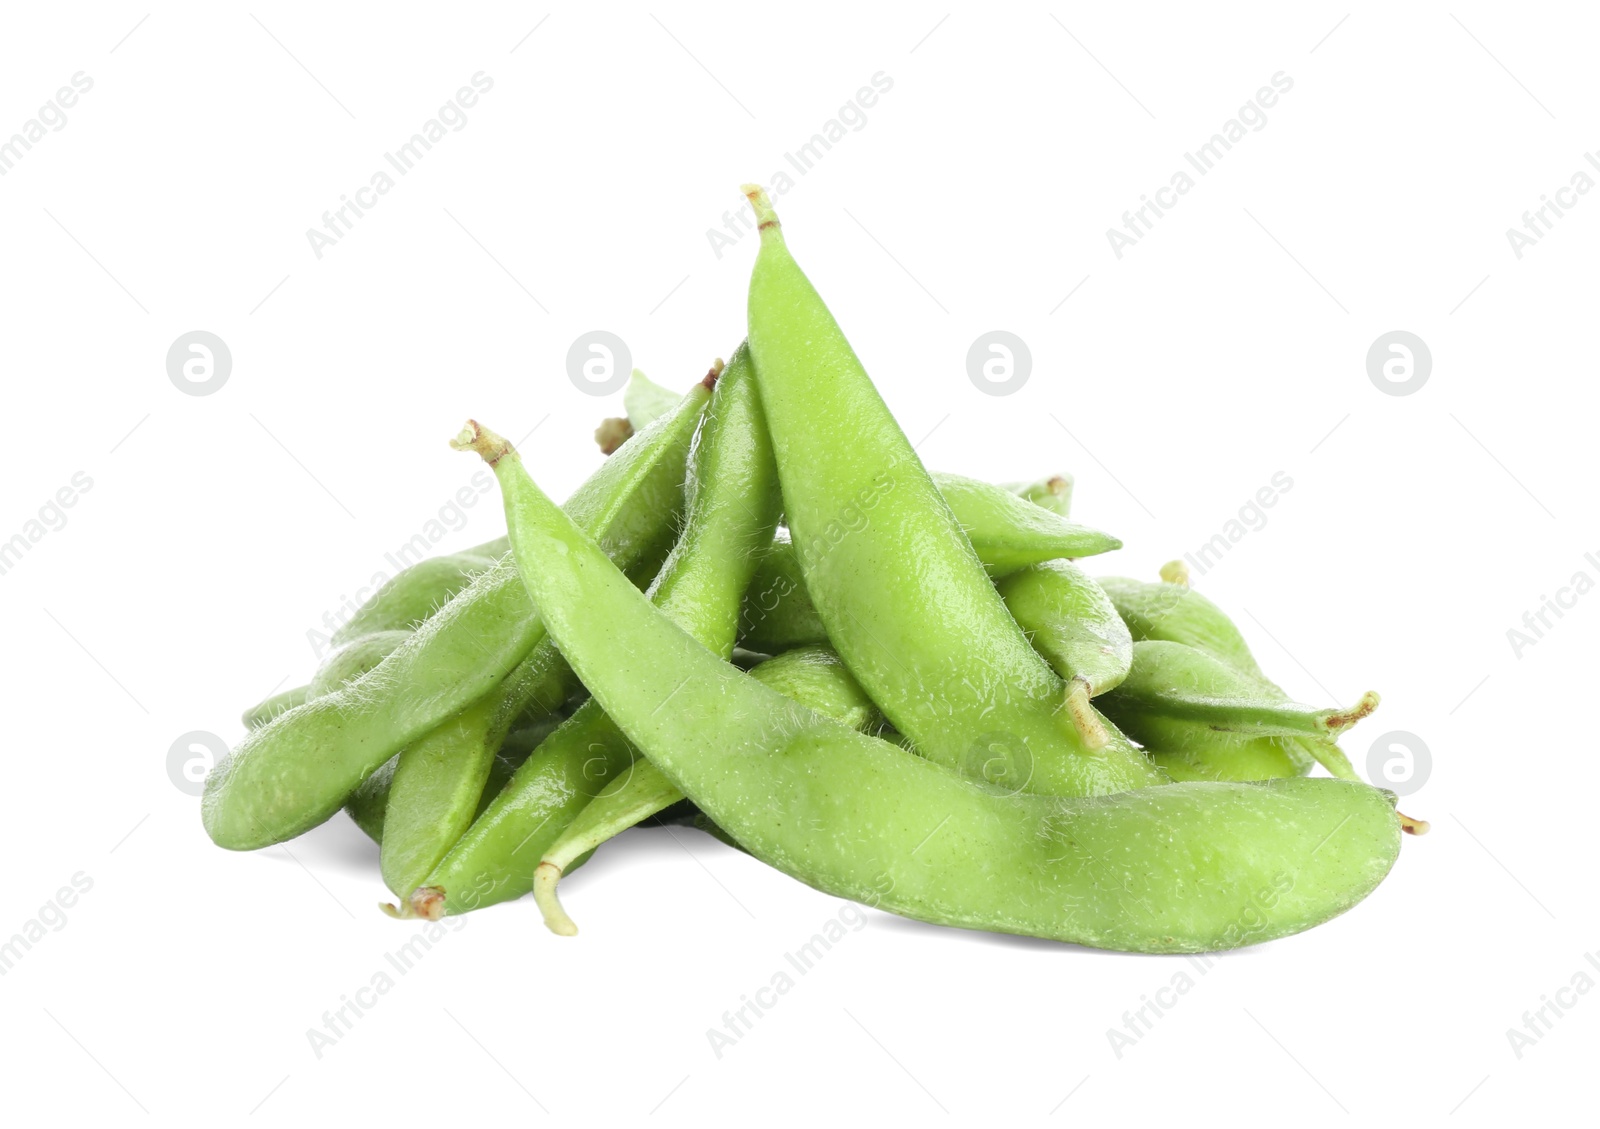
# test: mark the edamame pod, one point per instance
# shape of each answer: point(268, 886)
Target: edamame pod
point(731, 512)
point(963, 683)
point(1172, 684)
point(1053, 493)
point(400, 604)
point(1014, 532)
point(410, 597)
point(439, 780)
point(274, 704)
point(1179, 868)
point(1006, 532)
point(1177, 613)
point(1197, 753)
point(1072, 623)
point(354, 659)
point(1171, 611)
point(645, 401)
point(812, 676)
point(295, 771)
point(368, 803)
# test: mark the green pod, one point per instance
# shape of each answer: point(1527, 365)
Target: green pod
point(405, 600)
point(816, 677)
point(274, 704)
point(1171, 611)
point(1072, 624)
point(932, 644)
point(1014, 532)
point(1194, 753)
point(294, 772)
point(1175, 685)
point(812, 676)
point(439, 780)
point(645, 401)
point(1180, 868)
point(1177, 613)
point(777, 614)
point(367, 805)
point(731, 511)
point(399, 605)
point(354, 659)
point(1006, 532)
point(1053, 493)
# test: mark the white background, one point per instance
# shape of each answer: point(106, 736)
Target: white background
point(1228, 345)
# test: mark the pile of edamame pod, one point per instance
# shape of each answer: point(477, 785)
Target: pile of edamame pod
point(763, 617)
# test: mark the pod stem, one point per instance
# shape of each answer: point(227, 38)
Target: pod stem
point(425, 903)
point(1175, 572)
point(488, 445)
point(765, 216)
point(1084, 719)
point(1340, 720)
point(612, 433)
point(545, 879)
point(1412, 826)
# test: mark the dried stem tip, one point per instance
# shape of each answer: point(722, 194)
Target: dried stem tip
point(765, 216)
point(426, 902)
point(489, 446)
point(1339, 722)
point(1412, 826)
point(612, 433)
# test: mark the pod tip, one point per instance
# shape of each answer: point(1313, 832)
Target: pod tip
point(1175, 572)
point(612, 433)
point(1339, 721)
point(713, 373)
point(765, 216)
point(1413, 826)
point(426, 902)
point(475, 437)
